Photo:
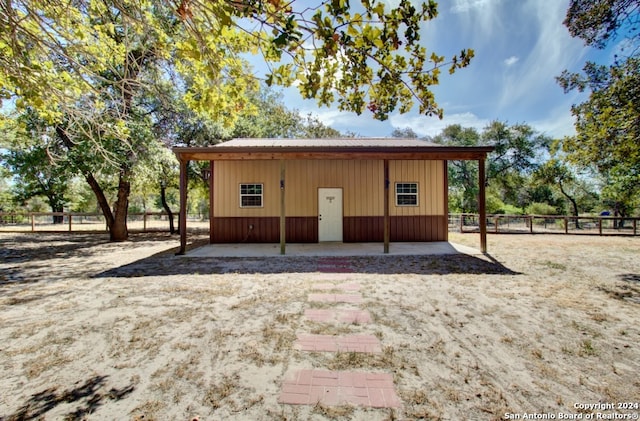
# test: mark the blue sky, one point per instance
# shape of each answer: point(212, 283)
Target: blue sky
point(520, 47)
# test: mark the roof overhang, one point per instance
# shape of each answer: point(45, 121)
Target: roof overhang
point(360, 149)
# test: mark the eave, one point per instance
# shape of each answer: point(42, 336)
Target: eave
point(221, 153)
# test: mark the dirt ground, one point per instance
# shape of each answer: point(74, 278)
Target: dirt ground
point(544, 325)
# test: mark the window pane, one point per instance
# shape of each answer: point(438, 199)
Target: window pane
point(407, 200)
point(251, 189)
point(249, 201)
point(406, 194)
point(250, 195)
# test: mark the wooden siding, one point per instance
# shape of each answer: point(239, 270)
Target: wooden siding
point(305, 229)
point(431, 180)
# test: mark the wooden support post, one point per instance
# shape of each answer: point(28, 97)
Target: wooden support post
point(144, 221)
point(182, 223)
point(566, 225)
point(70, 218)
point(482, 206)
point(531, 224)
point(33, 223)
point(600, 225)
point(635, 225)
point(445, 177)
point(283, 213)
point(211, 202)
point(386, 223)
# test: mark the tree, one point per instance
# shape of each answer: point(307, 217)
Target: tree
point(88, 67)
point(608, 123)
point(406, 133)
point(30, 158)
point(517, 148)
point(463, 175)
point(556, 173)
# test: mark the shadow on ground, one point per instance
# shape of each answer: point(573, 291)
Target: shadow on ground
point(628, 290)
point(164, 264)
point(27, 258)
point(87, 396)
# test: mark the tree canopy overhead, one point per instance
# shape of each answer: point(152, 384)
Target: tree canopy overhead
point(608, 123)
point(101, 73)
point(57, 55)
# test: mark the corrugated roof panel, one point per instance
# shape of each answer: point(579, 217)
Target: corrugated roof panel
point(327, 142)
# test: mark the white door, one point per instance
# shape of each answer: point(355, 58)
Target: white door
point(329, 214)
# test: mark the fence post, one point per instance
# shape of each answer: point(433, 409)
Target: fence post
point(33, 223)
point(635, 224)
point(461, 223)
point(144, 221)
point(496, 222)
point(70, 218)
point(530, 224)
point(600, 225)
point(566, 225)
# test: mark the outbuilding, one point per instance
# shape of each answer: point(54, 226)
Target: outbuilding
point(316, 190)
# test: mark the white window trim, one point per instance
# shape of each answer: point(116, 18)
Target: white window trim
point(416, 194)
point(261, 195)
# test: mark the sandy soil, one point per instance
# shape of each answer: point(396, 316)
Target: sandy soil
point(99, 331)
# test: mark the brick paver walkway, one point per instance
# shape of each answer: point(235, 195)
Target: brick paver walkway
point(331, 343)
point(310, 387)
point(353, 316)
point(335, 265)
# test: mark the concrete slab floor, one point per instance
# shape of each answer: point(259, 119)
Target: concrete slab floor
point(331, 249)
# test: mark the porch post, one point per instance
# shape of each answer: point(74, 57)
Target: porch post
point(387, 225)
point(211, 202)
point(183, 206)
point(283, 214)
point(445, 165)
point(482, 205)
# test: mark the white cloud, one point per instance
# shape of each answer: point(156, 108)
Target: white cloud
point(553, 51)
point(463, 6)
point(432, 126)
point(511, 61)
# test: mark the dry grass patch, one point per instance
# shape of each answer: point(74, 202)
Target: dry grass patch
point(464, 337)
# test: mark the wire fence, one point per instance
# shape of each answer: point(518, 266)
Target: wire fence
point(89, 222)
point(546, 224)
point(466, 222)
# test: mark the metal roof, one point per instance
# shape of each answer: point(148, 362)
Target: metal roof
point(353, 142)
point(331, 148)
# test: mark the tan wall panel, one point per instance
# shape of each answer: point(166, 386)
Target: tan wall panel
point(362, 182)
point(429, 176)
point(228, 175)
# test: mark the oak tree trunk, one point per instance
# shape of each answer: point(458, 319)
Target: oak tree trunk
point(165, 205)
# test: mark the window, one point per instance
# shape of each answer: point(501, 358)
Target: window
point(406, 194)
point(250, 195)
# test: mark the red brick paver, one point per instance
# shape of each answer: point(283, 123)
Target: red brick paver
point(336, 298)
point(334, 265)
point(331, 343)
point(310, 387)
point(338, 316)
